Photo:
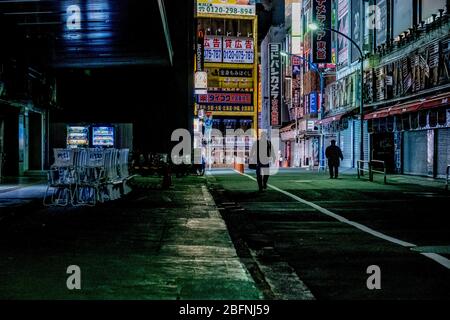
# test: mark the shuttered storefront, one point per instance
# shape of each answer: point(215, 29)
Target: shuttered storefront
point(357, 137)
point(443, 151)
point(346, 145)
point(415, 152)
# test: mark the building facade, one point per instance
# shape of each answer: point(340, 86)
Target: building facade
point(405, 85)
point(226, 78)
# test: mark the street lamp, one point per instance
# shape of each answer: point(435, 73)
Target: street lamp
point(322, 86)
point(315, 27)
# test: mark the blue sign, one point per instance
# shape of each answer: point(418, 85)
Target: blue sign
point(208, 123)
point(313, 102)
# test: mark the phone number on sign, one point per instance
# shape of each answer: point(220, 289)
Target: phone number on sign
point(234, 10)
point(238, 56)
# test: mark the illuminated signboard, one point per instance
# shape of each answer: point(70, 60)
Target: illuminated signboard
point(343, 27)
point(213, 49)
point(275, 83)
point(230, 78)
point(226, 98)
point(103, 136)
point(238, 50)
point(240, 73)
point(321, 14)
point(226, 7)
point(219, 108)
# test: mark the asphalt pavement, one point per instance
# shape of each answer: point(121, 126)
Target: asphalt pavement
point(152, 245)
point(330, 231)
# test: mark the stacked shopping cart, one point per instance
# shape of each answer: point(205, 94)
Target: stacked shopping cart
point(84, 177)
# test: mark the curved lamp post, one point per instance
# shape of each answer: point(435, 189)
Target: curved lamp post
point(315, 27)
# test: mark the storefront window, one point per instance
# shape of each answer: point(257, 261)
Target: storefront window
point(383, 125)
point(390, 124)
point(414, 121)
point(370, 126)
point(433, 119)
point(230, 27)
point(423, 119)
point(442, 117)
point(344, 124)
point(406, 122)
point(376, 125)
point(398, 123)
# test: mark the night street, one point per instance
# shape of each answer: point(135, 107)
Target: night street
point(175, 245)
point(225, 158)
point(332, 257)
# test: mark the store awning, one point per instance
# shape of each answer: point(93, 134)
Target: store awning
point(436, 102)
point(330, 119)
point(413, 106)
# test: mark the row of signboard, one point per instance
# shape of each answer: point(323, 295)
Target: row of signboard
point(225, 89)
point(218, 49)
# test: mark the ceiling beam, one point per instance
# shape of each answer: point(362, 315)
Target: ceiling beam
point(165, 24)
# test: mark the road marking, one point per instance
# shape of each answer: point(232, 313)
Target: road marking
point(435, 257)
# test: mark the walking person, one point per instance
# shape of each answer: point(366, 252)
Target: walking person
point(262, 154)
point(334, 156)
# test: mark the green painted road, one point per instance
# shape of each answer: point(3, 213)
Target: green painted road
point(331, 256)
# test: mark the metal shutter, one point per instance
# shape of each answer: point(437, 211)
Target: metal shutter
point(357, 137)
point(415, 153)
point(443, 153)
point(346, 145)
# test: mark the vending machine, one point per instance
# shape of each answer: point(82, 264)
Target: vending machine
point(77, 137)
point(103, 136)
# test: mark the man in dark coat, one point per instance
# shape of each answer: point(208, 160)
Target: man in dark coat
point(334, 156)
point(261, 156)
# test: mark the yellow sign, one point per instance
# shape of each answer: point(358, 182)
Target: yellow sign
point(226, 7)
point(230, 78)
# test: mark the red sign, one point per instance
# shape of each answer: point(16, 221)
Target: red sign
point(226, 98)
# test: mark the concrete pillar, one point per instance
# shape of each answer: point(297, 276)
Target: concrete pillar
point(23, 141)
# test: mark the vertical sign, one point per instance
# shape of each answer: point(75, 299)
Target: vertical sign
point(356, 28)
point(343, 26)
point(313, 102)
point(321, 15)
point(296, 85)
point(275, 83)
point(381, 16)
point(199, 52)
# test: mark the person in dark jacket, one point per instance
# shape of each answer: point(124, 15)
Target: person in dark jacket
point(262, 154)
point(334, 156)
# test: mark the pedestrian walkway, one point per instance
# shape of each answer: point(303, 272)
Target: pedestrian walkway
point(154, 244)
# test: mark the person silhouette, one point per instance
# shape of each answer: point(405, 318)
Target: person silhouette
point(334, 156)
point(262, 154)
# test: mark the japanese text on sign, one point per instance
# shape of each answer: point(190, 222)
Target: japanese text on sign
point(213, 49)
point(226, 98)
point(321, 37)
point(238, 50)
point(275, 83)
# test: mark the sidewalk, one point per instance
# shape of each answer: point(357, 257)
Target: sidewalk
point(153, 245)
